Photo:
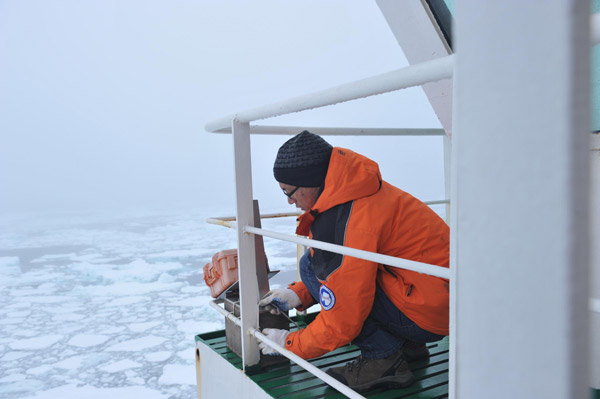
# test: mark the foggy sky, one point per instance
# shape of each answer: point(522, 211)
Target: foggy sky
point(103, 103)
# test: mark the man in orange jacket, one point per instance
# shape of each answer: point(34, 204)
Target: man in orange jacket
point(389, 313)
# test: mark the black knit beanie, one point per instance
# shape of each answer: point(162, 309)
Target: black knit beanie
point(303, 160)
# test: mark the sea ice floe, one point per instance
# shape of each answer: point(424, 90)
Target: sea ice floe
point(282, 263)
point(198, 327)
point(9, 266)
point(127, 289)
point(14, 356)
point(86, 257)
point(159, 356)
point(38, 277)
point(71, 363)
point(41, 342)
point(188, 354)
point(110, 330)
point(23, 332)
point(134, 345)
point(128, 300)
point(136, 380)
point(51, 257)
point(138, 270)
point(87, 340)
point(121, 365)
point(194, 290)
point(21, 386)
point(178, 374)
point(19, 313)
point(68, 317)
point(13, 378)
point(11, 320)
point(194, 302)
point(141, 327)
point(40, 370)
point(179, 254)
point(47, 299)
point(63, 309)
point(166, 278)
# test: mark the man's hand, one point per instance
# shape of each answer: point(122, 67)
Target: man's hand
point(280, 300)
point(276, 335)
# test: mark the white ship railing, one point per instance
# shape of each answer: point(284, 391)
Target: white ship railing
point(414, 75)
point(418, 267)
point(229, 221)
point(239, 125)
point(339, 131)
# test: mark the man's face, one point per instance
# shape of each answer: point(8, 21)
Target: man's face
point(303, 197)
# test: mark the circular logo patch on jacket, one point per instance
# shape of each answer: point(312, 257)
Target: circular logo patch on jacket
point(327, 298)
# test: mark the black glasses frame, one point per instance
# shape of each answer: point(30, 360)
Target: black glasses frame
point(289, 195)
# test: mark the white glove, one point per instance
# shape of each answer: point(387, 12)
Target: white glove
point(280, 300)
point(276, 335)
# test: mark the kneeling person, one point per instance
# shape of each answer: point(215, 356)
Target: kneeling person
point(389, 313)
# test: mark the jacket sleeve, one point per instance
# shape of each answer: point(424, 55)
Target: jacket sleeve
point(300, 289)
point(346, 298)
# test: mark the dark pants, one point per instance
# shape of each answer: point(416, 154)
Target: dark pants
point(386, 328)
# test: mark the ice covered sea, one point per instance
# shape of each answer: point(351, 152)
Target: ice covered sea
point(107, 306)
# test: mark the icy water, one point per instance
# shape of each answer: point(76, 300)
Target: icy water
point(105, 306)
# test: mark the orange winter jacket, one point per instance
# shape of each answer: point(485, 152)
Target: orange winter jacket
point(359, 210)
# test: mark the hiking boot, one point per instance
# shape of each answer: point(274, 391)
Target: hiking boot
point(363, 374)
point(415, 350)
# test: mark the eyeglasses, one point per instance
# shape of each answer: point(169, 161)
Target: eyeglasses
point(289, 195)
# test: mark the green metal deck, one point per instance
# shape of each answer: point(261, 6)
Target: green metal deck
point(290, 381)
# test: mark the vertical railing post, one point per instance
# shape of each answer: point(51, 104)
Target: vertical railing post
point(447, 173)
point(246, 246)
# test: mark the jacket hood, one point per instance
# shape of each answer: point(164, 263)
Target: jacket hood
point(350, 176)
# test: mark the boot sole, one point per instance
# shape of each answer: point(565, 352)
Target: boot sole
point(391, 382)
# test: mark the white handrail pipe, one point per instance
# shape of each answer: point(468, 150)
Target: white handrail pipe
point(226, 313)
point(418, 267)
point(414, 75)
point(220, 222)
point(332, 382)
point(290, 355)
point(339, 131)
point(229, 221)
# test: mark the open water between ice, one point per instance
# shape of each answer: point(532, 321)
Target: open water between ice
point(105, 306)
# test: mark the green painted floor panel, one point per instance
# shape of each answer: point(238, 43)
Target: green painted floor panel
point(290, 381)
